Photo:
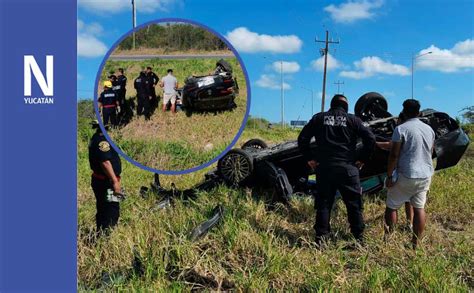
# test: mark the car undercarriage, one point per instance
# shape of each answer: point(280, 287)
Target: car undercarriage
point(282, 168)
point(214, 92)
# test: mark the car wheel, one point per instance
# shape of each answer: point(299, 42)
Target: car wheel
point(235, 167)
point(255, 144)
point(368, 102)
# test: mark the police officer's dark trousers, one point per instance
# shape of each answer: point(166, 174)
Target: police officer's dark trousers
point(121, 115)
point(153, 100)
point(108, 213)
point(143, 106)
point(122, 95)
point(109, 115)
point(345, 178)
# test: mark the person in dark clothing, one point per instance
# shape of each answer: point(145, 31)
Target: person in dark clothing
point(115, 86)
point(122, 83)
point(108, 104)
point(336, 163)
point(141, 84)
point(119, 86)
point(105, 181)
point(112, 78)
point(152, 82)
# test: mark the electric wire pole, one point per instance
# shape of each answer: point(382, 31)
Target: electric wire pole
point(338, 83)
point(134, 22)
point(413, 59)
point(325, 52)
point(282, 96)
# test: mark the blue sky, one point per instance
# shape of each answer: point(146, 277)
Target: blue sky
point(377, 40)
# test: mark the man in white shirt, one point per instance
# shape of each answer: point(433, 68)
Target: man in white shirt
point(411, 155)
point(169, 83)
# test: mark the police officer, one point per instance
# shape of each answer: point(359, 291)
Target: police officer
point(115, 84)
point(105, 182)
point(336, 163)
point(108, 104)
point(141, 85)
point(122, 83)
point(152, 82)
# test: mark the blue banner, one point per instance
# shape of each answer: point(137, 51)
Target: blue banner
point(38, 214)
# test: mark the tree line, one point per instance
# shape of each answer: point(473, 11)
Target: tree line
point(174, 37)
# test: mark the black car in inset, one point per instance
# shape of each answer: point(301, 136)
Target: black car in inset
point(214, 92)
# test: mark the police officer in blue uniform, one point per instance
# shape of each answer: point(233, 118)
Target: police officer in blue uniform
point(105, 182)
point(108, 104)
point(337, 163)
point(122, 86)
point(142, 87)
point(152, 82)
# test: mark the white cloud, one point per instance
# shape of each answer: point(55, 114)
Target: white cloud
point(464, 48)
point(117, 6)
point(285, 66)
point(270, 81)
point(318, 64)
point(459, 57)
point(429, 88)
point(372, 65)
point(352, 11)
point(88, 45)
point(250, 42)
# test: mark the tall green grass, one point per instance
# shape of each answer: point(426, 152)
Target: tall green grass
point(256, 248)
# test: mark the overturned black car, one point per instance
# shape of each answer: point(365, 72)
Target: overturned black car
point(283, 167)
point(214, 92)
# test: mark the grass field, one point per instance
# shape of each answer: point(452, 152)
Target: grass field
point(257, 249)
point(178, 142)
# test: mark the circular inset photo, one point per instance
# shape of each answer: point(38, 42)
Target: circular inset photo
point(172, 96)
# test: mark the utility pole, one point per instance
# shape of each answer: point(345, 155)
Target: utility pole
point(338, 83)
point(134, 22)
point(282, 96)
point(325, 52)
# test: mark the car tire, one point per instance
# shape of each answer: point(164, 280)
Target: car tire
point(235, 167)
point(367, 100)
point(255, 144)
point(224, 64)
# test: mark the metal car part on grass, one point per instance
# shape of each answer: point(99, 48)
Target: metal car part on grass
point(203, 228)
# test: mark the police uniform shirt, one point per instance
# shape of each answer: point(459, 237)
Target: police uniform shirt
point(137, 83)
point(122, 82)
point(153, 78)
point(108, 97)
point(142, 85)
point(116, 86)
point(336, 133)
point(101, 151)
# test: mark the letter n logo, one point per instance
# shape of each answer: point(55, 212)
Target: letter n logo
point(30, 65)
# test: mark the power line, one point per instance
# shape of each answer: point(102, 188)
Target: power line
point(338, 83)
point(325, 53)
